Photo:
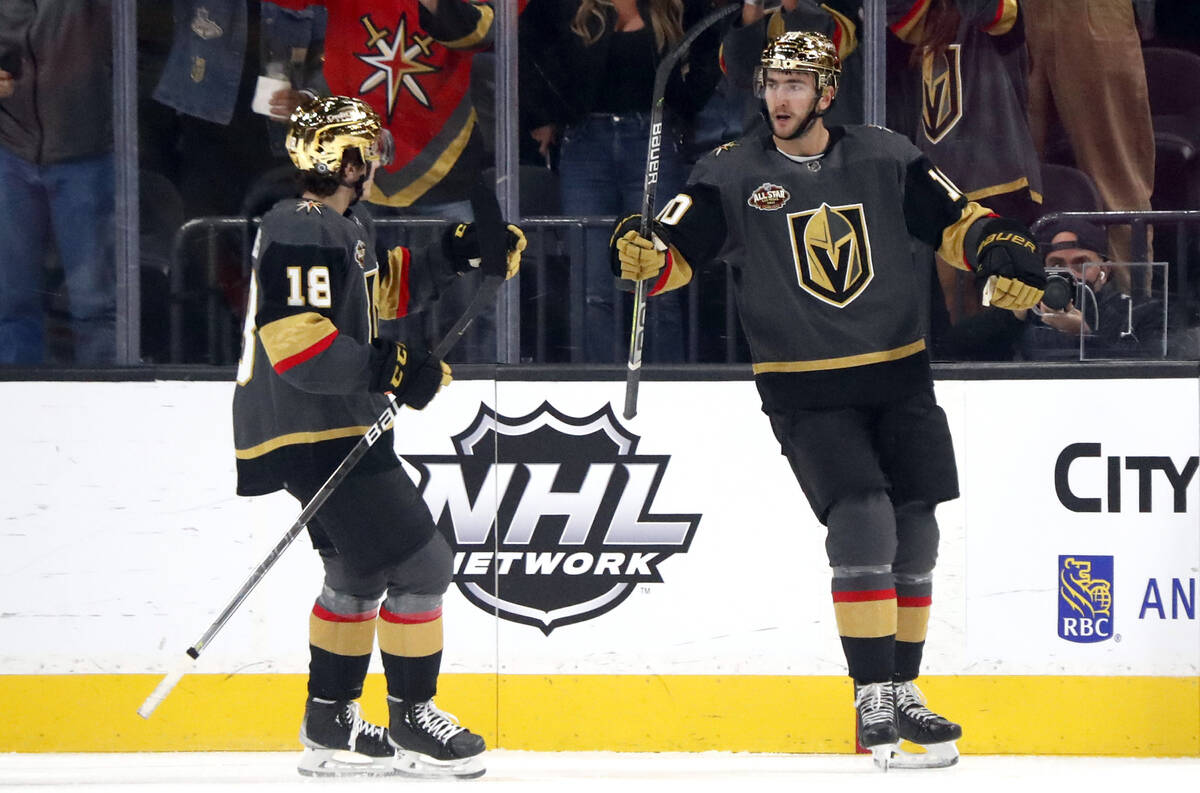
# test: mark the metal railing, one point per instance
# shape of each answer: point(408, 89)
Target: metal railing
point(205, 318)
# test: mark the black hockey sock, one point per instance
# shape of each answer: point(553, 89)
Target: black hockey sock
point(865, 607)
point(913, 600)
point(339, 652)
point(411, 646)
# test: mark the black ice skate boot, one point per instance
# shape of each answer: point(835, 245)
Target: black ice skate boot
point(338, 742)
point(920, 725)
point(876, 705)
point(431, 743)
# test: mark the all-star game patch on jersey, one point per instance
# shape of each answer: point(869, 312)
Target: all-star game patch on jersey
point(827, 288)
point(316, 298)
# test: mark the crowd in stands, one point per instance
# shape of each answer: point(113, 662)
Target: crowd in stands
point(1032, 107)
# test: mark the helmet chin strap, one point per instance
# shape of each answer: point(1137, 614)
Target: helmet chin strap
point(805, 125)
point(809, 120)
point(357, 186)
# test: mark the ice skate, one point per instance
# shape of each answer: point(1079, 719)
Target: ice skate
point(338, 742)
point(876, 705)
point(430, 743)
point(918, 724)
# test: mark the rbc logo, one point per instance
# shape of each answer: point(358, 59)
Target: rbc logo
point(1085, 598)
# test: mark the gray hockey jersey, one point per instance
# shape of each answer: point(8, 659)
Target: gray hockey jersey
point(826, 285)
point(317, 296)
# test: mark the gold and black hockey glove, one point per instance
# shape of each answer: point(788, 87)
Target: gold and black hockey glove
point(413, 377)
point(1010, 259)
point(632, 256)
point(460, 244)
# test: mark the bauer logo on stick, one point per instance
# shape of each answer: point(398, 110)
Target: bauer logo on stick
point(572, 506)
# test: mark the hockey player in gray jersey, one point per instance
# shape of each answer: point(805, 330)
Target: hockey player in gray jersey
point(815, 223)
point(314, 376)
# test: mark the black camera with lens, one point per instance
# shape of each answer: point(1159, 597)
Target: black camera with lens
point(1061, 288)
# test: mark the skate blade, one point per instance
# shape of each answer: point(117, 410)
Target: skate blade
point(421, 766)
point(340, 762)
point(882, 755)
point(936, 755)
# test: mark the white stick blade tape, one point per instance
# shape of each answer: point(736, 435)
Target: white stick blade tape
point(164, 687)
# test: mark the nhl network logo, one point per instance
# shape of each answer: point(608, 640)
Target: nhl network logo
point(1085, 598)
point(571, 503)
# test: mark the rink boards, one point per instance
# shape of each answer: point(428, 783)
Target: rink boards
point(656, 584)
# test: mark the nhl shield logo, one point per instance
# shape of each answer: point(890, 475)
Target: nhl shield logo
point(549, 515)
point(832, 252)
point(941, 92)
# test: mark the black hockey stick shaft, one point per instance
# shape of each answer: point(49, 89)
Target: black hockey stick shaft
point(492, 241)
point(637, 336)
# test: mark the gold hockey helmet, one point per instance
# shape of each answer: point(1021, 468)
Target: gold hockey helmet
point(322, 129)
point(801, 51)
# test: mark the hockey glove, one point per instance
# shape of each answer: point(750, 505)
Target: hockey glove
point(413, 377)
point(1010, 259)
point(460, 244)
point(632, 256)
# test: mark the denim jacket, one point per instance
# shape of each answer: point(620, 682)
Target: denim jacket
point(204, 67)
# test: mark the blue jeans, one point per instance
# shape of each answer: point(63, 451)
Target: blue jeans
point(602, 169)
point(74, 202)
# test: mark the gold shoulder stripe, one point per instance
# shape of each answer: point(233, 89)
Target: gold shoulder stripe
point(290, 336)
point(1006, 17)
point(848, 40)
point(845, 362)
point(477, 36)
point(421, 185)
point(912, 24)
point(955, 235)
point(296, 438)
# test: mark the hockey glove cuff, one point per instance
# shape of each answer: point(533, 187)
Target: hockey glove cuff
point(460, 244)
point(1009, 257)
point(414, 378)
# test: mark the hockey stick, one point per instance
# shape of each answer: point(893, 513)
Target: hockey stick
point(637, 336)
point(492, 244)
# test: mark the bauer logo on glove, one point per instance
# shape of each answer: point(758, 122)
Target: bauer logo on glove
point(1010, 259)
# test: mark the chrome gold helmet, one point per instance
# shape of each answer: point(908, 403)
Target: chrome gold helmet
point(322, 129)
point(801, 51)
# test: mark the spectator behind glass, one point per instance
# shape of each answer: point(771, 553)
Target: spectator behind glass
point(742, 49)
point(1086, 72)
point(56, 168)
point(410, 60)
point(219, 50)
point(1114, 323)
point(601, 57)
point(964, 97)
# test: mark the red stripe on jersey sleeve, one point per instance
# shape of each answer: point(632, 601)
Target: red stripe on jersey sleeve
point(663, 276)
point(311, 352)
point(403, 296)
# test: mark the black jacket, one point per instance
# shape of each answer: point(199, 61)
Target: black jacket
point(62, 105)
point(561, 77)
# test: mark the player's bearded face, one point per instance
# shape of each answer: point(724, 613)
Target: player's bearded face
point(791, 99)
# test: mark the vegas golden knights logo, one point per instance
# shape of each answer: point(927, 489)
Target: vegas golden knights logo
point(941, 92)
point(832, 252)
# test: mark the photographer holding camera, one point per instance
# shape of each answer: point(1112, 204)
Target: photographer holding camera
point(1088, 296)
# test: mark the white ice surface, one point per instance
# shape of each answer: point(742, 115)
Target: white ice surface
point(265, 772)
